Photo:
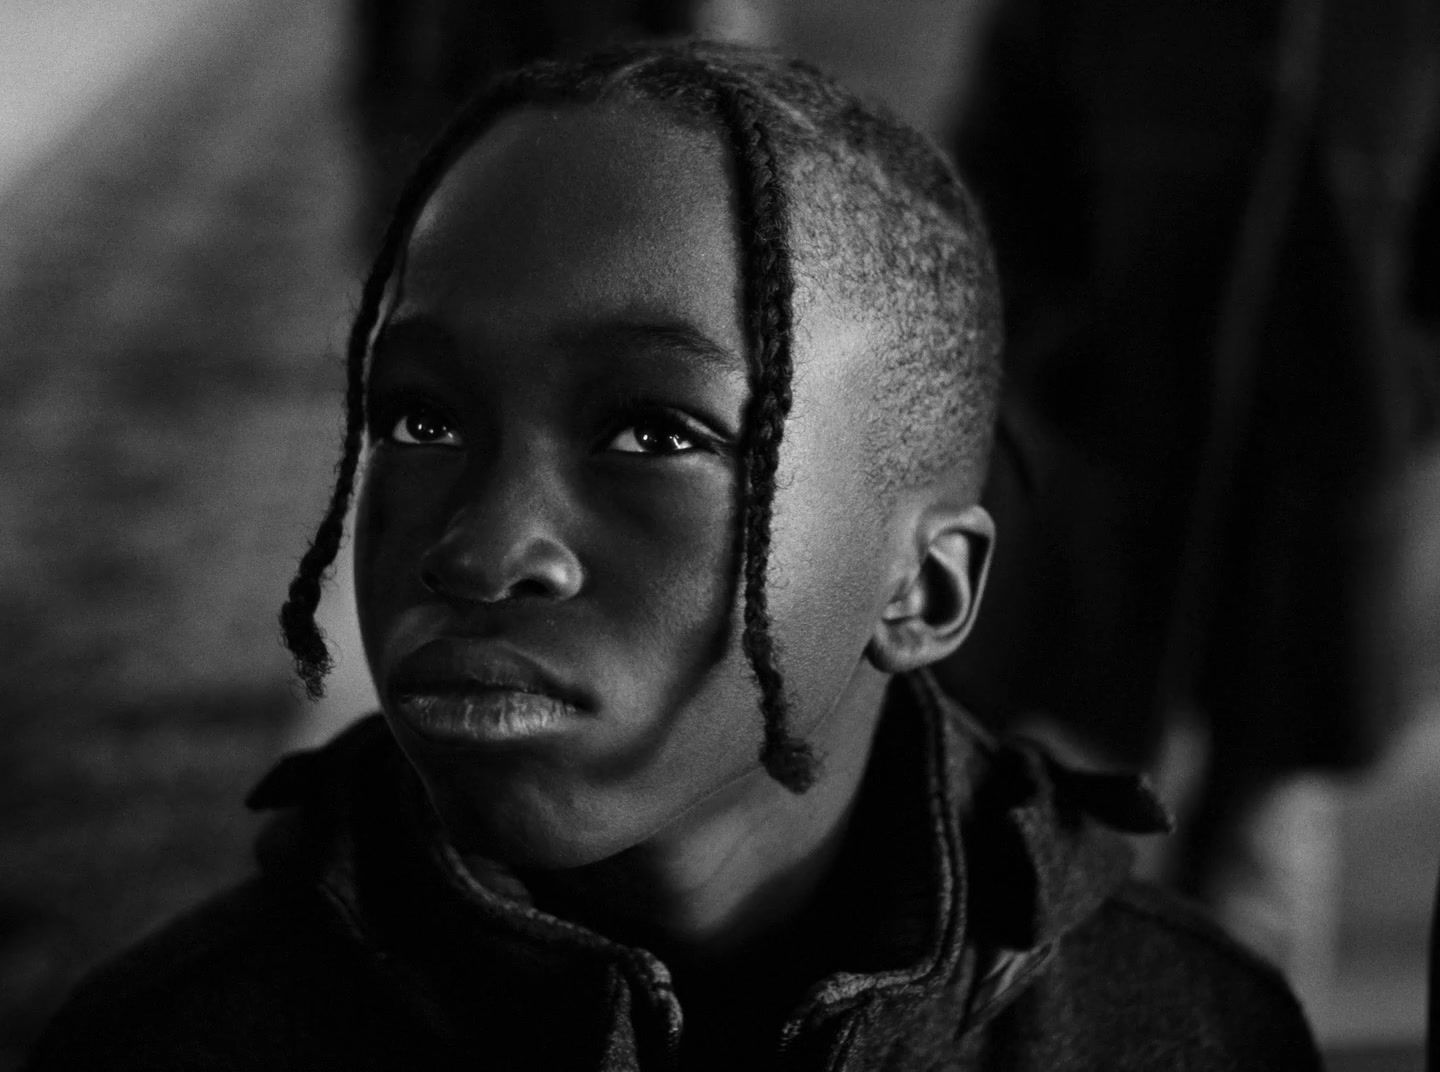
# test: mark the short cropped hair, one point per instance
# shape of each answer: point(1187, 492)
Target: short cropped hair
point(828, 188)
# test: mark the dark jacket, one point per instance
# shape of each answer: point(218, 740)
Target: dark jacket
point(995, 929)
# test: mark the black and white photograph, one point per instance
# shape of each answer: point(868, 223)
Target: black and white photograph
point(696, 535)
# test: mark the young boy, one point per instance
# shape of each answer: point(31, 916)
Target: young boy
point(678, 369)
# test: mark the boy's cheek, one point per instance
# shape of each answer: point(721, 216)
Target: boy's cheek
point(660, 501)
point(392, 493)
point(829, 542)
point(663, 543)
point(394, 520)
point(830, 556)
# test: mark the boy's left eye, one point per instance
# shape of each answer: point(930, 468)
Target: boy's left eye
point(421, 425)
point(654, 437)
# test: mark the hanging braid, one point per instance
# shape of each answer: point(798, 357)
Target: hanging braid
point(769, 293)
point(933, 280)
point(297, 616)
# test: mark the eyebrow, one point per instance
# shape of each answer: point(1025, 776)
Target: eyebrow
point(672, 337)
point(419, 332)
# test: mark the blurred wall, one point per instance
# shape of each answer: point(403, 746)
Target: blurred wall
point(175, 267)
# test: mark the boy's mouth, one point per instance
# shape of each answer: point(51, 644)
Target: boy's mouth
point(471, 692)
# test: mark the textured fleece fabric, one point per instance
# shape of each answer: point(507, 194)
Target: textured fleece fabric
point(988, 924)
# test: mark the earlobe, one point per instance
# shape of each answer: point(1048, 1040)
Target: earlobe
point(935, 605)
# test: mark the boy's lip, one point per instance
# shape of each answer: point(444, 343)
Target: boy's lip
point(454, 665)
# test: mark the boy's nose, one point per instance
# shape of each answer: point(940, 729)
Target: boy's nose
point(489, 561)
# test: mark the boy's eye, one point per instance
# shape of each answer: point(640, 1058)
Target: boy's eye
point(654, 437)
point(424, 426)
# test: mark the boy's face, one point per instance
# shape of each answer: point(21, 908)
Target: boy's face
point(546, 552)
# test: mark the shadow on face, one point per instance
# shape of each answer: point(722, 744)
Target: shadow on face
point(546, 545)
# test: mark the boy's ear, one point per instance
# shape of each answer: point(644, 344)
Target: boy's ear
point(934, 606)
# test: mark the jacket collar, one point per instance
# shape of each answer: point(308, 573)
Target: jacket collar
point(976, 868)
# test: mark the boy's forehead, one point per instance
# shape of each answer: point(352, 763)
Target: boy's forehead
point(553, 168)
point(595, 211)
point(623, 211)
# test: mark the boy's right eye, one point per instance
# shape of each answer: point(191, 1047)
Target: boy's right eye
point(420, 425)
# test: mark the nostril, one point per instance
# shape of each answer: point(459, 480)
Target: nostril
point(529, 587)
point(431, 579)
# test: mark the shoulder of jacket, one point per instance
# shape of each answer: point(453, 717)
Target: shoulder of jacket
point(1171, 920)
point(1169, 961)
point(233, 961)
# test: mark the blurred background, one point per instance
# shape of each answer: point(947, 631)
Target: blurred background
point(1218, 234)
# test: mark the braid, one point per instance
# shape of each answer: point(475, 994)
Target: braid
point(769, 289)
point(297, 616)
point(302, 635)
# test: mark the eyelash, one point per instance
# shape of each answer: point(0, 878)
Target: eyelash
point(638, 414)
point(389, 413)
point(632, 415)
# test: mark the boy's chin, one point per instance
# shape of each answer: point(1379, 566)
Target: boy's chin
point(526, 826)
